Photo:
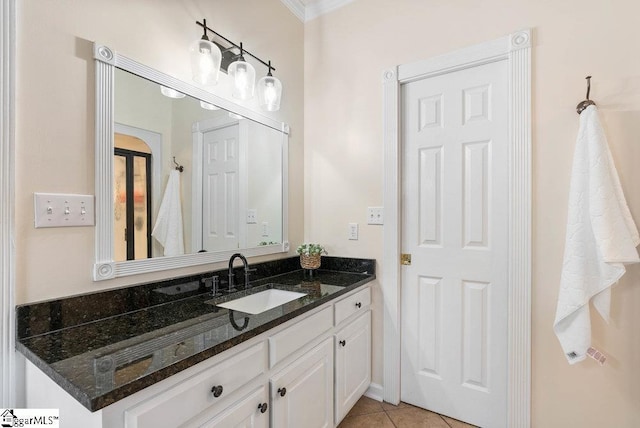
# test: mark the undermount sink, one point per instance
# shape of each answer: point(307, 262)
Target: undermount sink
point(262, 301)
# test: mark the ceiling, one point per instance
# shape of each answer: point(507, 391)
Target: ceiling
point(307, 10)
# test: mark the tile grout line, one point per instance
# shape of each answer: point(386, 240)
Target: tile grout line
point(389, 417)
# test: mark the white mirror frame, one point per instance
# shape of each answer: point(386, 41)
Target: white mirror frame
point(106, 61)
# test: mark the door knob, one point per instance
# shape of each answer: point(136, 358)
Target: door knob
point(263, 407)
point(343, 342)
point(282, 391)
point(217, 391)
point(358, 305)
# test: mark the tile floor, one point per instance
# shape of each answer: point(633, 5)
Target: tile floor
point(368, 413)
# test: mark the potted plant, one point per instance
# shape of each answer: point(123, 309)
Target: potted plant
point(310, 255)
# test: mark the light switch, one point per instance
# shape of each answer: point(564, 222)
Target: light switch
point(62, 210)
point(353, 231)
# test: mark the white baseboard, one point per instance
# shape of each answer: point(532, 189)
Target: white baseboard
point(374, 392)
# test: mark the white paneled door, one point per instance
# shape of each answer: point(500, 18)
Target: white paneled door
point(455, 226)
point(220, 188)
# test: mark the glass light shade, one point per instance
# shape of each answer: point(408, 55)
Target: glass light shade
point(269, 93)
point(205, 62)
point(235, 116)
point(171, 93)
point(243, 76)
point(208, 106)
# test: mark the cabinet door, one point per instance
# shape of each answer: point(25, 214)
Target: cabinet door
point(246, 413)
point(353, 363)
point(302, 394)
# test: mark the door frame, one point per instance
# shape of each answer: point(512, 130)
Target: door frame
point(516, 49)
point(8, 356)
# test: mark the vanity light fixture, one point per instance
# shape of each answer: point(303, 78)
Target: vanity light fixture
point(235, 116)
point(269, 92)
point(242, 73)
point(205, 60)
point(171, 93)
point(208, 106)
point(243, 77)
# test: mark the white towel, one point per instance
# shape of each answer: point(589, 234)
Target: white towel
point(168, 227)
point(601, 236)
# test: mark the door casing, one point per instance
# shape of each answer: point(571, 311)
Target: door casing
point(516, 49)
point(11, 370)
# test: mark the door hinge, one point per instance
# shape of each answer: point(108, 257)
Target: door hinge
point(405, 259)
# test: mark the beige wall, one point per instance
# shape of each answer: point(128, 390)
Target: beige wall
point(55, 110)
point(345, 54)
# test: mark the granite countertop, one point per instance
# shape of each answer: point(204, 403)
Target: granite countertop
point(103, 347)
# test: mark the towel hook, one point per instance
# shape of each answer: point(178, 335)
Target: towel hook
point(178, 166)
point(586, 103)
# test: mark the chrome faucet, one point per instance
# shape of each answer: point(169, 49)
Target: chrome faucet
point(247, 271)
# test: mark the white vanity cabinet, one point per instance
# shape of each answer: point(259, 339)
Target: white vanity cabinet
point(302, 393)
point(307, 372)
point(353, 363)
point(250, 411)
point(206, 391)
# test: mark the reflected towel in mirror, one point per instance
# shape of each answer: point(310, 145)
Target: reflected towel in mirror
point(168, 228)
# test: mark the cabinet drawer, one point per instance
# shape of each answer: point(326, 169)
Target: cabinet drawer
point(352, 304)
point(194, 395)
point(295, 337)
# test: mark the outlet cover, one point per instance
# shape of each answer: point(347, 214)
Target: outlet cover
point(375, 215)
point(252, 216)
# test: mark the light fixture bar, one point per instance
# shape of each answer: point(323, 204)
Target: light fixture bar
point(205, 27)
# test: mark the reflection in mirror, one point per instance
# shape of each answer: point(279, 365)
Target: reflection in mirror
point(230, 190)
point(230, 194)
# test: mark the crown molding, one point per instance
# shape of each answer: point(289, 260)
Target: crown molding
point(307, 10)
point(297, 7)
point(319, 7)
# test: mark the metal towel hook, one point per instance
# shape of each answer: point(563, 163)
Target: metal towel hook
point(178, 166)
point(586, 103)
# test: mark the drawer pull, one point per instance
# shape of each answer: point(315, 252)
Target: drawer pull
point(358, 305)
point(343, 342)
point(217, 391)
point(263, 407)
point(282, 391)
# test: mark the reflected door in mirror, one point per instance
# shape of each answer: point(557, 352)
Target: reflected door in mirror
point(132, 200)
point(222, 169)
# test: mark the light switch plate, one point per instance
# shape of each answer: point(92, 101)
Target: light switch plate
point(353, 231)
point(63, 210)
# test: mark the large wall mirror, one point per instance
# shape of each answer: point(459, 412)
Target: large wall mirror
point(183, 177)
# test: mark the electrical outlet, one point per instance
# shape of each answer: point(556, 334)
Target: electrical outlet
point(252, 216)
point(265, 228)
point(353, 231)
point(60, 210)
point(375, 215)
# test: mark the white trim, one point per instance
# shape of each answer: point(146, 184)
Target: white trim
point(105, 268)
point(297, 7)
point(516, 48)
point(306, 11)
point(319, 7)
point(374, 392)
point(8, 374)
